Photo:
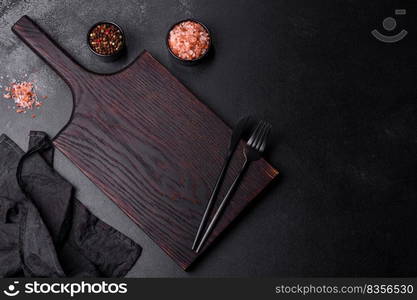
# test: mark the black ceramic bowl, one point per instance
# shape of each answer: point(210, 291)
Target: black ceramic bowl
point(189, 61)
point(113, 56)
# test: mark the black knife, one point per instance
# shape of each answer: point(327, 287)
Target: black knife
point(238, 132)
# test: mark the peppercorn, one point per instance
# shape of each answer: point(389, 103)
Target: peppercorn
point(105, 39)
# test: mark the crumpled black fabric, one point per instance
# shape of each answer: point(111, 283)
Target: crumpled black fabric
point(44, 230)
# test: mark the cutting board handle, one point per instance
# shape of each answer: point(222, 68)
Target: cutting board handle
point(48, 50)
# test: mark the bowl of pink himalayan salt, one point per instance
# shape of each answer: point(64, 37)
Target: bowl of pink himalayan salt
point(189, 41)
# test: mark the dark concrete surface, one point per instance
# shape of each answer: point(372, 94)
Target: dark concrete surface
point(343, 107)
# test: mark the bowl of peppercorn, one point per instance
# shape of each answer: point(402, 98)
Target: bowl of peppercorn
point(106, 40)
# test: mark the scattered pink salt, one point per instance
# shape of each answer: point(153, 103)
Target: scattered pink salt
point(24, 96)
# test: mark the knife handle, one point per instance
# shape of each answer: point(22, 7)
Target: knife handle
point(211, 201)
point(222, 205)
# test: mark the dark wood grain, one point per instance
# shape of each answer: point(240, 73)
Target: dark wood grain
point(149, 144)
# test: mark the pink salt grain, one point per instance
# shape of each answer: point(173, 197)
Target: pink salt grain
point(189, 40)
point(24, 96)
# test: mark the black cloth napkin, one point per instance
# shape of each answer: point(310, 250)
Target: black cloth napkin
point(44, 230)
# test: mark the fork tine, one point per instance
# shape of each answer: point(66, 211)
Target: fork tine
point(254, 135)
point(259, 140)
point(265, 139)
point(258, 134)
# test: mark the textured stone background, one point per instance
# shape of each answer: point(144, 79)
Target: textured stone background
point(343, 106)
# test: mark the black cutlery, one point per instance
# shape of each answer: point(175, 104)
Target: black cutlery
point(238, 132)
point(252, 152)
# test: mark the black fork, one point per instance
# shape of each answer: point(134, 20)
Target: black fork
point(252, 152)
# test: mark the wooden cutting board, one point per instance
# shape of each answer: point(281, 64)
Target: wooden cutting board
point(149, 144)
